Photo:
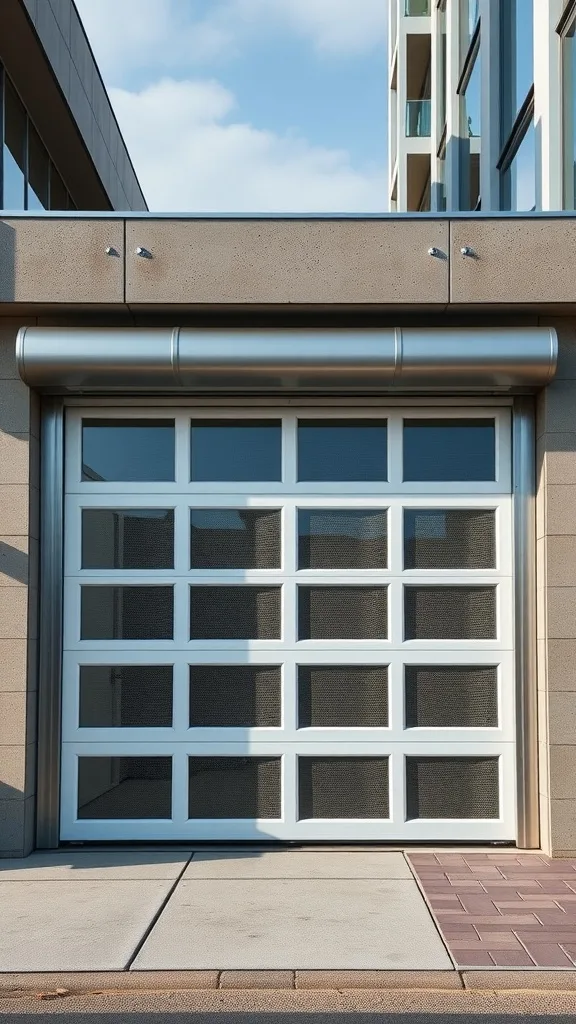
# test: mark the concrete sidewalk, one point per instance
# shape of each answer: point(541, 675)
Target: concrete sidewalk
point(246, 909)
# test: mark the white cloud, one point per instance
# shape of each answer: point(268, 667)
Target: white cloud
point(173, 35)
point(191, 157)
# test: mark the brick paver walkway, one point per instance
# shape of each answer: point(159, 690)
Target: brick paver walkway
point(502, 910)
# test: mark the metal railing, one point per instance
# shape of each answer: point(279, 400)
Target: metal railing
point(418, 119)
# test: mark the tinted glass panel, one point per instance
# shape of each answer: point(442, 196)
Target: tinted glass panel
point(126, 613)
point(127, 538)
point(125, 696)
point(129, 450)
point(14, 152)
point(342, 613)
point(449, 450)
point(342, 538)
point(342, 450)
point(451, 696)
point(38, 172)
point(235, 538)
point(450, 613)
point(449, 539)
point(569, 114)
point(58, 193)
point(343, 787)
point(124, 787)
point(452, 787)
point(235, 613)
point(521, 175)
point(234, 787)
point(343, 696)
point(243, 450)
point(235, 696)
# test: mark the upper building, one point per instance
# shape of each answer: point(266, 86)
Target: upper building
point(482, 105)
point(62, 148)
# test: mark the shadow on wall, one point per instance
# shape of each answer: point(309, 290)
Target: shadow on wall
point(13, 563)
point(7, 268)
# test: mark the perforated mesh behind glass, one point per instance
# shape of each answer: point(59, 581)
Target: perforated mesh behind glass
point(451, 696)
point(342, 613)
point(452, 787)
point(234, 787)
point(450, 613)
point(343, 696)
point(126, 613)
point(343, 787)
point(235, 613)
point(124, 787)
point(125, 696)
point(233, 696)
point(231, 538)
point(342, 538)
point(127, 538)
point(449, 539)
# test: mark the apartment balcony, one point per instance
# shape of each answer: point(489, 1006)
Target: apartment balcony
point(416, 8)
point(418, 119)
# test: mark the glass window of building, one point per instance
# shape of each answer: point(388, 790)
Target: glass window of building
point(520, 177)
point(471, 103)
point(518, 57)
point(38, 172)
point(569, 110)
point(470, 142)
point(469, 17)
point(14, 151)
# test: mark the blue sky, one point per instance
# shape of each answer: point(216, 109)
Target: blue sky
point(239, 105)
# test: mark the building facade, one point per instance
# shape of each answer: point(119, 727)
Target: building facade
point(482, 105)
point(286, 513)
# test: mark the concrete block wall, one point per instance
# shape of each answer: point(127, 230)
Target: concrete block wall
point(556, 592)
point(19, 537)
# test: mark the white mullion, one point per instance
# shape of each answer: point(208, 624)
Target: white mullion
point(397, 788)
point(289, 782)
point(182, 450)
point(395, 470)
point(289, 451)
point(181, 536)
point(396, 697)
point(179, 788)
point(396, 612)
point(395, 537)
point(290, 537)
point(181, 613)
point(180, 698)
point(290, 695)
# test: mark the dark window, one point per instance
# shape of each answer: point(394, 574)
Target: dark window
point(128, 450)
point(449, 450)
point(124, 787)
point(452, 787)
point(343, 787)
point(234, 787)
point(126, 613)
point(38, 172)
point(342, 450)
point(342, 538)
point(235, 696)
point(235, 613)
point(128, 538)
point(449, 539)
point(236, 451)
point(450, 613)
point(125, 696)
point(14, 151)
point(342, 613)
point(451, 696)
point(235, 538)
point(569, 113)
point(343, 696)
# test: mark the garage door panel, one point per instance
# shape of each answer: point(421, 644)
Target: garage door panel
point(298, 657)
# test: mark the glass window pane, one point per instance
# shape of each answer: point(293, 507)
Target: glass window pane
point(235, 696)
point(14, 151)
point(451, 696)
point(235, 613)
point(343, 787)
point(38, 172)
point(58, 193)
point(450, 613)
point(124, 787)
point(569, 107)
point(125, 696)
point(234, 787)
point(342, 538)
point(341, 450)
point(449, 539)
point(235, 538)
point(449, 450)
point(521, 184)
point(343, 696)
point(126, 613)
point(452, 787)
point(242, 450)
point(128, 538)
point(342, 613)
point(518, 62)
point(129, 450)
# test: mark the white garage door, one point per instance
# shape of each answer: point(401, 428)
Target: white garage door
point(288, 624)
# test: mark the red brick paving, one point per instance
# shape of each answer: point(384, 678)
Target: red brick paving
point(502, 909)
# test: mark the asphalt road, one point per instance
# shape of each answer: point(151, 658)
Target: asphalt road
point(284, 1007)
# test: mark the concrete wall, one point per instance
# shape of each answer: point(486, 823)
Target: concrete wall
point(556, 581)
point(19, 534)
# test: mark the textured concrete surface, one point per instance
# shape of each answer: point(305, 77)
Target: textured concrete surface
point(287, 864)
point(237, 1007)
point(276, 924)
point(94, 865)
point(75, 926)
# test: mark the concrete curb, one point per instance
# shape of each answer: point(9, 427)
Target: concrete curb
point(60, 985)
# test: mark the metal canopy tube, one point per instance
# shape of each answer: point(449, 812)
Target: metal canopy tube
point(185, 359)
